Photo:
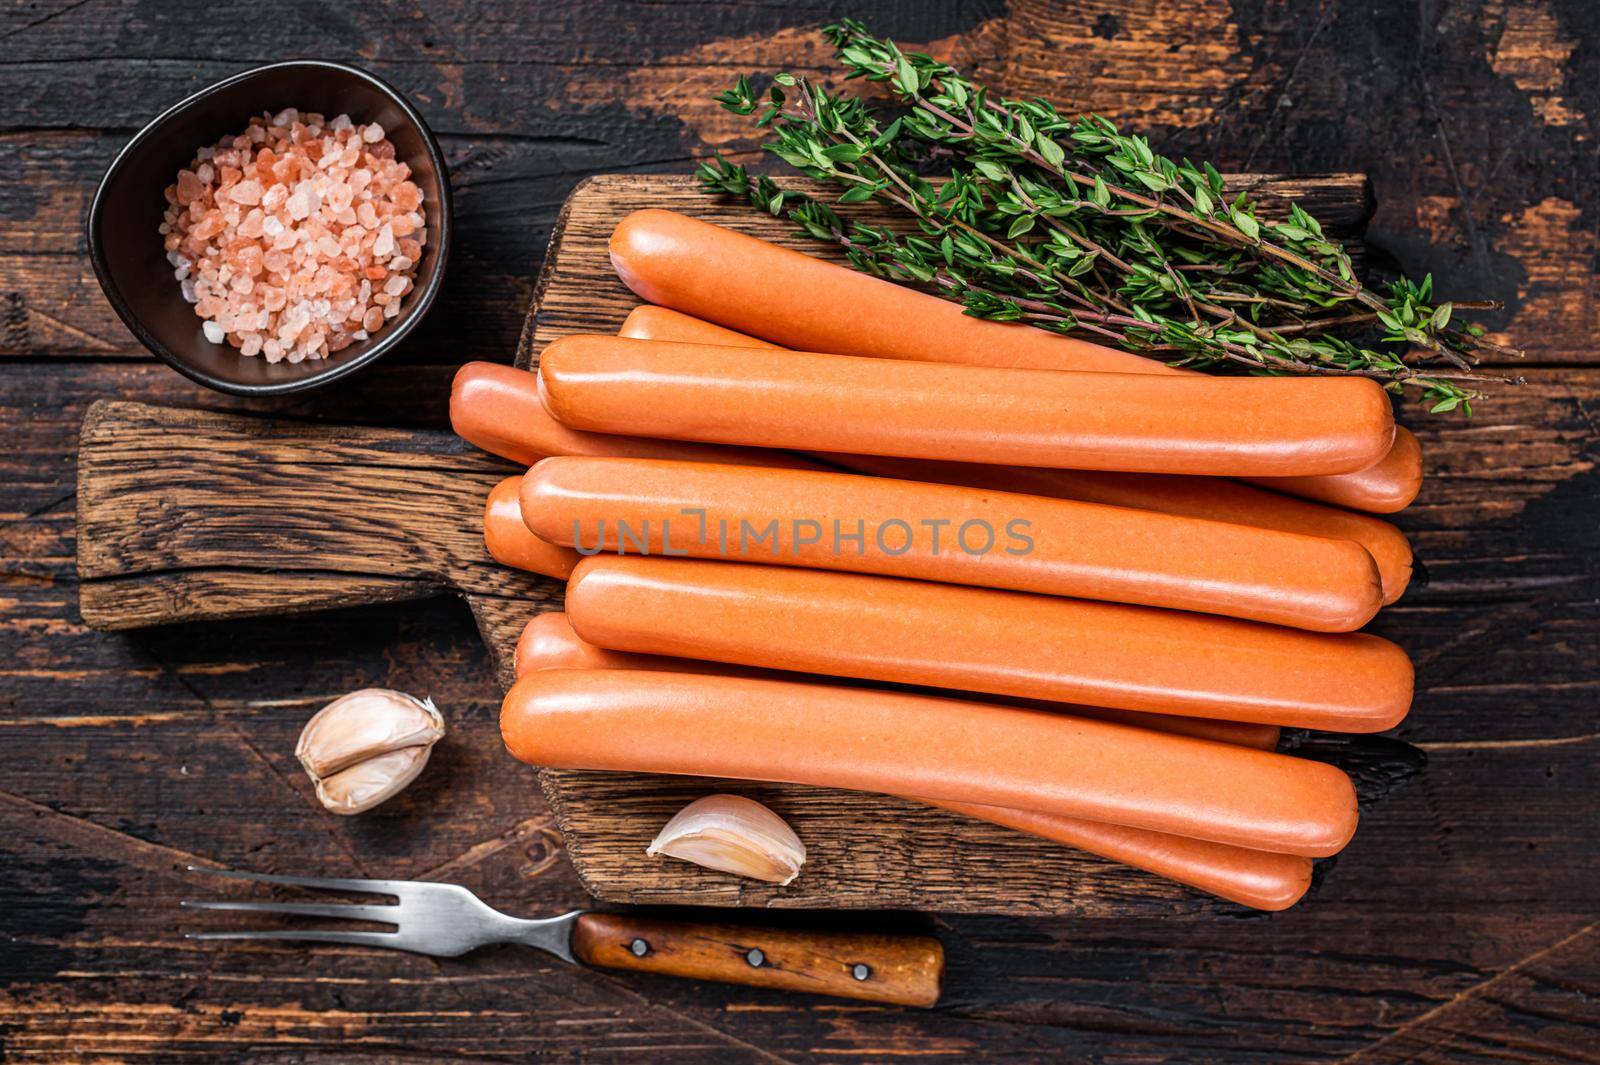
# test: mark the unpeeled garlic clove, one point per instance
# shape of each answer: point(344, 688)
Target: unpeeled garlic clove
point(364, 747)
point(368, 783)
point(732, 834)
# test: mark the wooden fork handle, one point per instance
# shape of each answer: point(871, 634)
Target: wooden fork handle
point(900, 969)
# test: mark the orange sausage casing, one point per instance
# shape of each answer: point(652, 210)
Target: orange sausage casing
point(497, 408)
point(1386, 487)
point(1210, 498)
point(981, 640)
point(844, 521)
point(800, 302)
point(511, 544)
point(549, 641)
point(1215, 499)
point(1261, 879)
point(756, 287)
point(938, 749)
point(1186, 423)
point(1254, 878)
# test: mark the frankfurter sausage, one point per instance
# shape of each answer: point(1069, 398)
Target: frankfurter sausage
point(649, 322)
point(1138, 423)
point(844, 521)
point(511, 544)
point(1210, 498)
point(1253, 878)
point(939, 749)
point(1387, 487)
point(980, 640)
point(794, 300)
point(1259, 879)
point(549, 641)
point(1215, 499)
point(497, 408)
point(783, 296)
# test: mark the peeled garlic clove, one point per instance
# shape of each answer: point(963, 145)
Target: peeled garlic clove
point(733, 834)
point(370, 782)
point(364, 747)
point(366, 724)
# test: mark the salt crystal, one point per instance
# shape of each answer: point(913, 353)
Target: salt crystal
point(275, 235)
point(190, 188)
point(407, 196)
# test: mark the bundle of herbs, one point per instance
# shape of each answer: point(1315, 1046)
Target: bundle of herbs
point(1068, 224)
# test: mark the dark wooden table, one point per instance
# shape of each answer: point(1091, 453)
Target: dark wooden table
point(1461, 925)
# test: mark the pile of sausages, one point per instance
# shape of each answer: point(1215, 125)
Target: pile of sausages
point(1182, 564)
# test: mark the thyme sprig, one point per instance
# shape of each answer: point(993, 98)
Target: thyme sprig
point(1069, 225)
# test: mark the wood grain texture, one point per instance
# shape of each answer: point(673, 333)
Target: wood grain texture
point(1455, 926)
point(185, 515)
point(898, 970)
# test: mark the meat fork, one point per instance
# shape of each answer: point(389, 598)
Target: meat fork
point(447, 920)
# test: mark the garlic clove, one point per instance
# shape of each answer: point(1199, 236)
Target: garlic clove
point(371, 781)
point(732, 834)
point(366, 724)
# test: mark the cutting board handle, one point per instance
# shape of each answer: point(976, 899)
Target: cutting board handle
point(187, 515)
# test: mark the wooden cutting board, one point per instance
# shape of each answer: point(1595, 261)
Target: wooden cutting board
point(186, 515)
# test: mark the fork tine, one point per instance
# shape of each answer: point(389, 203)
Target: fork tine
point(371, 887)
point(346, 911)
point(360, 939)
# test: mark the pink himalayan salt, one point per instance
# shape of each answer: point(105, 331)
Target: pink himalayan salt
point(297, 237)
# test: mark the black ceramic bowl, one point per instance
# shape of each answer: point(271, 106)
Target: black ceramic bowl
point(131, 263)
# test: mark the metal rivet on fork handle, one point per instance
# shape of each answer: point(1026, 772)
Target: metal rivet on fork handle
point(860, 970)
point(755, 958)
point(639, 947)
